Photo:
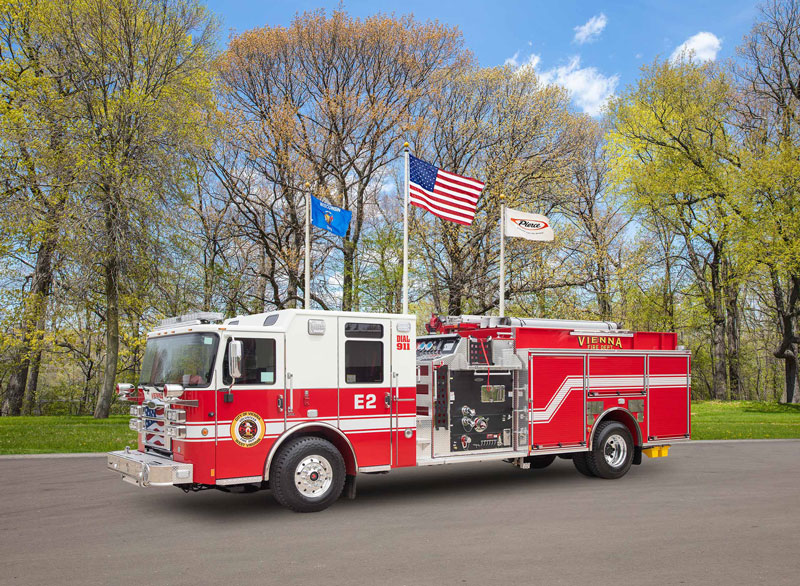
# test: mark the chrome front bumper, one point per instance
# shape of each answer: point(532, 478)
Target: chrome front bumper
point(148, 469)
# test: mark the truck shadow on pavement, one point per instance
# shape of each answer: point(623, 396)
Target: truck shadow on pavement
point(409, 487)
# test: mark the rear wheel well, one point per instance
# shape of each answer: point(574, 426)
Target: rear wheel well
point(331, 434)
point(623, 416)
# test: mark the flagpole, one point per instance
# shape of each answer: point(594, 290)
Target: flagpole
point(502, 255)
point(405, 232)
point(307, 290)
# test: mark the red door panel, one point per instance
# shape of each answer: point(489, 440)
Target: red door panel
point(557, 400)
point(249, 424)
point(669, 397)
point(364, 418)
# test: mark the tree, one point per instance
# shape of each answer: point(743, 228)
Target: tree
point(598, 217)
point(40, 165)
point(325, 101)
point(674, 154)
point(517, 135)
point(769, 202)
point(141, 71)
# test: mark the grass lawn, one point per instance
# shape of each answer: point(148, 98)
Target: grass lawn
point(50, 434)
point(744, 420)
point(64, 433)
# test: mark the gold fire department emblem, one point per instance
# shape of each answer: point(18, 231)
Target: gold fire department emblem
point(247, 429)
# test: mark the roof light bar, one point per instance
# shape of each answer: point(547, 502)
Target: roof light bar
point(202, 317)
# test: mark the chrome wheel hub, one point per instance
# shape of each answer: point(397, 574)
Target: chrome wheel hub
point(313, 476)
point(615, 450)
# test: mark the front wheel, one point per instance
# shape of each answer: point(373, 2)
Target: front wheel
point(611, 455)
point(307, 475)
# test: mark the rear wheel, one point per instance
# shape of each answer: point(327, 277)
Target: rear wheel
point(581, 465)
point(307, 475)
point(611, 455)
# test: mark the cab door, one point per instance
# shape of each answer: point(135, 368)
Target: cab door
point(312, 390)
point(365, 387)
point(251, 415)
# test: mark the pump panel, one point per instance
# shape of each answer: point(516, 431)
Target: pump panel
point(481, 412)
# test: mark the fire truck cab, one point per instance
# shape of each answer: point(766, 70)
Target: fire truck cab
point(302, 401)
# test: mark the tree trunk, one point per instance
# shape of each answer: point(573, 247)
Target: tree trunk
point(261, 283)
point(603, 296)
point(455, 297)
point(669, 295)
point(790, 373)
point(112, 274)
point(718, 355)
point(112, 339)
point(29, 405)
point(734, 339)
point(348, 276)
point(12, 405)
point(33, 322)
point(786, 306)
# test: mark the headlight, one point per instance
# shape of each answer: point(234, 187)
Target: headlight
point(135, 424)
point(136, 411)
point(176, 415)
point(176, 431)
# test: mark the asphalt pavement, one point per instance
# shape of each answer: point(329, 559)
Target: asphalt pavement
point(710, 513)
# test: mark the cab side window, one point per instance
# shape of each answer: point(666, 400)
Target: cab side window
point(258, 362)
point(363, 359)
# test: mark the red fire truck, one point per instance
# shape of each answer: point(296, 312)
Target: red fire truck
point(301, 402)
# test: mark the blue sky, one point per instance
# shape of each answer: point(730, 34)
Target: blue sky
point(592, 48)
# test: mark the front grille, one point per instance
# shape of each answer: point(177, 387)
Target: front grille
point(154, 427)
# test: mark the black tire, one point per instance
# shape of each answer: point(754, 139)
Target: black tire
point(579, 460)
point(301, 467)
point(611, 455)
point(539, 462)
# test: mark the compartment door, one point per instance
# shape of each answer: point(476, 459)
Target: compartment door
point(614, 375)
point(558, 400)
point(668, 404)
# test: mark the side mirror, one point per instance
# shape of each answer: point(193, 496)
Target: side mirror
point(235, 359)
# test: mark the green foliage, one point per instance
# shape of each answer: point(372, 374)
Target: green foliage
point(744, 420)
point(64, 434)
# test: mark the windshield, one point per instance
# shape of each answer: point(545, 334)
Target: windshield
point(186, 359)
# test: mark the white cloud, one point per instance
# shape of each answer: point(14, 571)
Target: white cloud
point(532, 61)
point(512, 61)
point(703, 46)
point(586, 33)
point(589, 88)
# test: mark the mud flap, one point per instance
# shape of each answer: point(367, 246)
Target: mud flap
point(637, 455)
point(350, 486)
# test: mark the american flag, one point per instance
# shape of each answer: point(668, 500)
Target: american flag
point(447, 195)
